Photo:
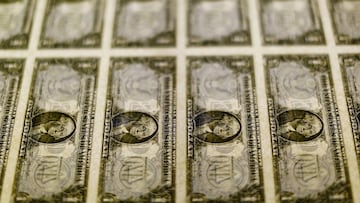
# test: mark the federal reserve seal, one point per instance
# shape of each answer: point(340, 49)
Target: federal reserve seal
point(216, 126)
point(133, 127)
point(299, 125)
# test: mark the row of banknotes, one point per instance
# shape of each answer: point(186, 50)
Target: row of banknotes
point(78, 23)
point(224, 155)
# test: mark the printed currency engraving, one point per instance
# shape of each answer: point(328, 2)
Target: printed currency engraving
point(139, 134)
point(346, 20)
point(72, 24)
point(11, 72)
point(15, 23)
point(350, 65)
point(144, 23)
point(308, 150)
point(220, 22)
point(224, 157)
point(291, 22)
point(56, 141)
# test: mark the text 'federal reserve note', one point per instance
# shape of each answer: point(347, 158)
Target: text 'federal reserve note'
point(139, 138)
point(350, 65)
point(224, 158)
point(56, 140)
point(11, 72)
point(308, 151)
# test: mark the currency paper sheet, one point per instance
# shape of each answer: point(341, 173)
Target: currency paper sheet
point(180, 101)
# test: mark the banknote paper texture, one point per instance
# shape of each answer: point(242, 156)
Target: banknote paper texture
point(223, 22)
point(224, 159)
point(291, 22)
point(15, 22)
point(10, 79)
point(351, 75)
point(144, 23)
point(308, 153)
point(346, 20)
point(139, 138)
point(72, 23)
point(56, 140)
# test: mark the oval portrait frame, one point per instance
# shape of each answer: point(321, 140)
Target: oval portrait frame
point(51, 116)
point(296, 114)
point(212, 116)
point(131, 139)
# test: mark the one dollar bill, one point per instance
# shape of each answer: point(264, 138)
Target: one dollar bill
point(308, 151)
point(56, 140)
point(15, 23)
point(139, 137)
point(351, 74)
point(222, 22)
point(144, 23)
point(224, 158)
point(291, 22)
point(11, 72)
point(72, 24)
point(346, 20)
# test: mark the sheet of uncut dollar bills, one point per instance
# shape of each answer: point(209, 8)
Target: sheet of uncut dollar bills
point(218, 101)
